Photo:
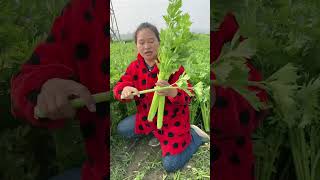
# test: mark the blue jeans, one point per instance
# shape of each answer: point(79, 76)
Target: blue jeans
point(72, 174)
point(171, 163)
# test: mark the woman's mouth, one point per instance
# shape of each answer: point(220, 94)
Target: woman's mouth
point(148, 53)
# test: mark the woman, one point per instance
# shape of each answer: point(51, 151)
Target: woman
point(177, 141)
point(233, 118)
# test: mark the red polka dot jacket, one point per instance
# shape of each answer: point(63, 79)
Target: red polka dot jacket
point(174, 136)
point(76, 48)
point(233, 118)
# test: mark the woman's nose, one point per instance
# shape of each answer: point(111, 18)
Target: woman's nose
point(147, 46)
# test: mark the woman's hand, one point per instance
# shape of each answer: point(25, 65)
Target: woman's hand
point(168, 92)
point(128, 92)
point(53, 100)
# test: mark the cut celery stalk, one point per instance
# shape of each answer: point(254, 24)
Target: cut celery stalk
point(78, 103)
point(154, 107)
point(162, 100)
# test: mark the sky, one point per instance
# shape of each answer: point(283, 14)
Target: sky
point(130, 13)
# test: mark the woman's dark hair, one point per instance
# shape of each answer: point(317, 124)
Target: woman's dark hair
point(146, 25)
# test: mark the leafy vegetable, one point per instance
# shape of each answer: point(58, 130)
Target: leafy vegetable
point(173, 51)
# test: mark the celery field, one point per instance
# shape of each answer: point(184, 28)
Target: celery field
point(140, 161)
point(284, 37)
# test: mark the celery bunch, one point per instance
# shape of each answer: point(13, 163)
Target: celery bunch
point(173, 51)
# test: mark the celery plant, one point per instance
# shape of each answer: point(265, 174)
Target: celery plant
point(172, 53)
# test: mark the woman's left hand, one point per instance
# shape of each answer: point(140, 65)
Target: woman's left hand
point(166, 92)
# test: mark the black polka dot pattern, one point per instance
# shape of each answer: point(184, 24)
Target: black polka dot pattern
point(244, 117)
point(165, 142)
point(144, 70)
point(105, 66)
point(170, 134)
point(240, 141)
point(142, 96)
point(82, 51)
point(103, 109)
point(144, 106)
point(175, 145)
point(234, 159)
point(215, 153)
point(184, 144)
point(160, 132)
point(50, 39)
point(34, 59)
point(106, 30)
point(88, 130)
point(33, 96)
point(93, 3)
point(153, 75)
point(174, 115)
point(221, 102)
point(216, 131)
point(177, 124)
point(144, 118)
point(135, 77)
point(143, 82)
point(141, 127)
point(165, 112)
point(87, 16)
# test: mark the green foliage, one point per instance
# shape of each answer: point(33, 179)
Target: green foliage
point(285, 35)
point(174, 40)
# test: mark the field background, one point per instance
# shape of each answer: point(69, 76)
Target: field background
point(286, 145)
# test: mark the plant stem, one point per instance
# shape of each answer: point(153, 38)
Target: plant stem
point(78, 103)
point(248, 83)
point(156, 89)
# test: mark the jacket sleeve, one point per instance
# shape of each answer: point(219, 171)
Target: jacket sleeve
point(125, 80)
point(50, 59)
point(182, 98)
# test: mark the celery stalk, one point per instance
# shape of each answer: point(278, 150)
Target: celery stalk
point(78, 103)
point(162, 100)
point(154, 107)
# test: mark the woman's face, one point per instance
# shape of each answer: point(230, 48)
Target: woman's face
point(147, 44)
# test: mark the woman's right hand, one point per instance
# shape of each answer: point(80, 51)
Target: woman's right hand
point(53, 100)
point(128, 92)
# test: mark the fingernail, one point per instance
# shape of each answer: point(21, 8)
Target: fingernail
point(92, 108)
